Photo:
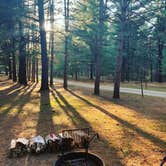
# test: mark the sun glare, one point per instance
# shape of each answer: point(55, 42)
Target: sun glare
point(47, 26)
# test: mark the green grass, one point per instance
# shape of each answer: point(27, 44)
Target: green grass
point(132, 130)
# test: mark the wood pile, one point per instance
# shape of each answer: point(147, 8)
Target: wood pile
point(65, 141)
point(80, 137)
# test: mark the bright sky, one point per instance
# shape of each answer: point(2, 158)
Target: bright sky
point(59, 18)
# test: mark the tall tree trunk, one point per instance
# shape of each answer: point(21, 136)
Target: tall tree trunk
point(160, 57)
point(118, 70)
point(127, 78)
point(44, 58)
point(142, 88)
point(22, 56)
point(6, 70)
point(10, 66)
point(91, 71)
point(76, 75)
point(118, 75)
point(65, 85)
point(151, 61)
point(14, 64)
point(33, 69)
point(52, 41)
point(14, 68)
point(22, 69)
point(37, 75)
point(66, 9)
point(151, 68)
point(98, 72)
point(123, 69)
point(29, 68)
point(99, 47)
point(22, 59)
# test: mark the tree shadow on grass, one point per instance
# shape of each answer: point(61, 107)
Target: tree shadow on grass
point(9, 95)
point(45, 121)
point(69, 110)
point(18, 105)
point(19, 101)
point(79, 122)
point(14, 88)
point(10, 124)
point(157, 141)
point(149, 107)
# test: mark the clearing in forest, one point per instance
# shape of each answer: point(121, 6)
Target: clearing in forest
point(132, 130)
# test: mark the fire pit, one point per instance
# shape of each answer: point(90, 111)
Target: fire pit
point(79, 159)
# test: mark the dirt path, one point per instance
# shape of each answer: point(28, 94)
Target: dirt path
point(123, 90)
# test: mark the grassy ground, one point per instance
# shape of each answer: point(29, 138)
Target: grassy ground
point(132, 130)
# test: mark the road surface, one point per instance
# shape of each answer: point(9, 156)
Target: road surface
point(110, 88)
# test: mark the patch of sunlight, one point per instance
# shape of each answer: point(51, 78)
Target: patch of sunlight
point(13, 91)
point(56, 102)
point(62, 121)
point(159, 127)
point(30, 123)
point(77, 104)
point(13, 111)
point(4, 87)
point(53, 103)
point(30, 106)
point(27, 133)
point(4, 108)
point(138, 119)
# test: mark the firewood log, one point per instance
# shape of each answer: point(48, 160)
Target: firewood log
point(66, 142)
point(37, 145)
point(52, 143)
point(18, 147)
point(81, 139)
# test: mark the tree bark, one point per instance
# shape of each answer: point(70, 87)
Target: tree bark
point(37, 75)
point(66, 9)
point(22, 56)
point(6, 70)
point(22, 60)
point(91, 71)
point(151, 61)
point(44, 58)
point(29, 68)
point(33, 69)
point(117, 80)
point(118, 76)
point(14, 67)
point(10, 66)
point(22, 69)
point(52, 42)
point(160, 57)
point(76, 75)
point(99, 47)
